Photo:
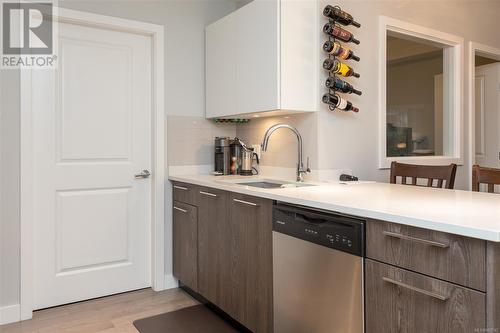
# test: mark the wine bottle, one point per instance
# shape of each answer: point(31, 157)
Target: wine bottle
point(337, 84)
point(338, 15)
point(337, 67)
point(339, 51)
point(339, 103)
point(337, 32)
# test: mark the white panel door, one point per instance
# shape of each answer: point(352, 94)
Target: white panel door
point(92, 134)
point(488, 111)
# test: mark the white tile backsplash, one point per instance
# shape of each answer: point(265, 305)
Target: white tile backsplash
point(190, 140)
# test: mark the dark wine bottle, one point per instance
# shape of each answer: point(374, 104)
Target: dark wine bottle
point(337, 84)
point(339, 51)
point(337, 32)
point(337, 67)
point(338, 15)
point(339, 103)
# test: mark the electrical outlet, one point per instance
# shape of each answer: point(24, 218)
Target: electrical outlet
point(256, 149)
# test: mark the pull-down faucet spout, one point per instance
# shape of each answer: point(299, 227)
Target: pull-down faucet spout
point(301, 171)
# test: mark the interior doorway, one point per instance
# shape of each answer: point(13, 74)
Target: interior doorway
point(484, 105)
point(70, 149)
point(487, 112)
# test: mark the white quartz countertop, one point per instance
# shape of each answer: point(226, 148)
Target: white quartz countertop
point(463, 213)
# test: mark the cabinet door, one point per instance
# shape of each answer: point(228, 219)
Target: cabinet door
point(250, 220)
point(220, 67)
point(213, 244)
point(398, 300)
point(257, 56)
point(185, 244)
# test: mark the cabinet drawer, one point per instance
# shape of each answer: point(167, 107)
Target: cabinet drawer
point(209, 195)
point(398, 300)
point(453, 258)
point(184, 192)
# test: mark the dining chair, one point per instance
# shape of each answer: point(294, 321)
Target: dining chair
point(436, 175)
point(488, 176)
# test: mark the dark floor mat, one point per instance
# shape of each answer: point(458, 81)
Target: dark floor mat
point(193, 319)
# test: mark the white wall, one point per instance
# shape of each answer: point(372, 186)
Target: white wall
point(184, 23)
point(410, 91)
point(351, 140)
point(282, 150)
point(9, 188)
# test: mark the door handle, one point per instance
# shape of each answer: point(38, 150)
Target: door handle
point(144, 174)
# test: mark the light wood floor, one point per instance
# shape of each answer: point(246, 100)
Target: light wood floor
point(113, 314)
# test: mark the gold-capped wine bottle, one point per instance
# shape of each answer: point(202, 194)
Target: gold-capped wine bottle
point(337, 67)
point(338, 15)
point(339, 51)
point(339, 33)
point(339, 103)
point(339, 85)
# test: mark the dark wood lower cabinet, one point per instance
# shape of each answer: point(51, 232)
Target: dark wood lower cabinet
point(223, 251)
point(250, 285)
point(185, 244)
point(493, 287)
point(416, 281)
point(398, 300)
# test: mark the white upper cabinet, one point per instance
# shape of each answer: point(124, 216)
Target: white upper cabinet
point(263, 58)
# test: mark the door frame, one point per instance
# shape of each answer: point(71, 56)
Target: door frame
point(489, 52)
point(156, 32)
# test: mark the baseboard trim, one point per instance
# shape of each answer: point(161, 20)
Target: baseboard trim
point(170, 282)
point(10, 314)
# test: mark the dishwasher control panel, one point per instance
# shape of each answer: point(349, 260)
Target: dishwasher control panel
point(329, 229)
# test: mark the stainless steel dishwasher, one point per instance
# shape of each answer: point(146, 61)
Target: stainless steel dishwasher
point(318, 271)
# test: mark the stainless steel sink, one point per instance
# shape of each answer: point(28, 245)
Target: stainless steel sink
point(267, 184)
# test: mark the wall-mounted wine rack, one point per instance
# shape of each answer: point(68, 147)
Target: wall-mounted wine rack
point(337, 52)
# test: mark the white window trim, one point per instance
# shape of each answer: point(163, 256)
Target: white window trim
point(485, 51)
point(454, 89)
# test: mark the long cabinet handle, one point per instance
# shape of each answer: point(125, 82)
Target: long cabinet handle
point(415, 289)
point(248, 203)
point(208, 194)
point(415, 239)
point(180, 187)
point(180, 209)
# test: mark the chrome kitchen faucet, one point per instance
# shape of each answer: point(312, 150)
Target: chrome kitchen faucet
point(301, 171)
